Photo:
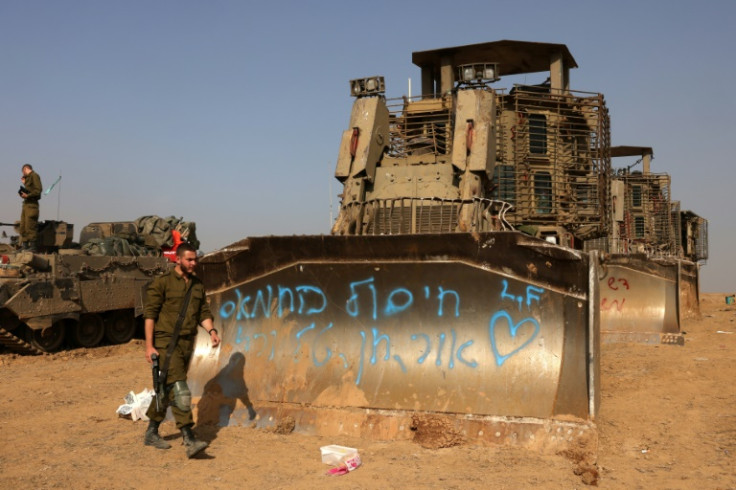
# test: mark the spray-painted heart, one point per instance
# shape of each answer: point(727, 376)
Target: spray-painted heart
point(513, 329)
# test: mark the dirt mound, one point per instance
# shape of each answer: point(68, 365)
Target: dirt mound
point(435, 432)
point(285, 425)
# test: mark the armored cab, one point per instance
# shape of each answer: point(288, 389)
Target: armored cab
point(468, 156)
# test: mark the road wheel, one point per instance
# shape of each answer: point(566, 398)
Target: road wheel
point(119, 326)
point(88, 331)
point(48, 339)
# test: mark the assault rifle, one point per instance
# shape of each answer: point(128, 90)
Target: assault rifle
point(158, 384)
point(7, 224)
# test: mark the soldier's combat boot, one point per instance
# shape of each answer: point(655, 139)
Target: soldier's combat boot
point(152, 438)
point(192, 444)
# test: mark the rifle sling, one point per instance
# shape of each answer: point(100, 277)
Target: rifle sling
point(175, 335)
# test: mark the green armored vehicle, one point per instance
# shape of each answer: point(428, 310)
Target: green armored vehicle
point(78, 295)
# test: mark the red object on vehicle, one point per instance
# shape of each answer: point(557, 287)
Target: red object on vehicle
point(4, 259)
point(170, 252)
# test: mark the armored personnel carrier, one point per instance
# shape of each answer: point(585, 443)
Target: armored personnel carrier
point(80, 294)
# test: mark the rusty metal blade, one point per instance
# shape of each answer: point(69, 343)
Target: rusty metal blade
point(336, 330)
point(643, 300)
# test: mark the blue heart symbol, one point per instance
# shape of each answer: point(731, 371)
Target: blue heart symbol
point(513, 329)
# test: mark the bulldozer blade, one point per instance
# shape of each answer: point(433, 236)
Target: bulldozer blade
point(644, 300)
point(492, 337)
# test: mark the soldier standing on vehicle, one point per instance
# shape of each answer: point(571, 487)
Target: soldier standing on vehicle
point(30, 192)
point(175, 306)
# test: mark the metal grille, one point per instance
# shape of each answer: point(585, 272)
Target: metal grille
point(419, 126)
point(391, 219)
point(676, 226)
point(647, 225)
point(437, 218)
point(555, 159)
point(604, 244)
point(417, 215)
point(701, 239)
point(691, 234)
point(650, 224)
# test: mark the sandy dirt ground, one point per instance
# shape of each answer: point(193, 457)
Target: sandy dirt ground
point(667, 420)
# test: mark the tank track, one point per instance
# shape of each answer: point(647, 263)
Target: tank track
point(15, 344)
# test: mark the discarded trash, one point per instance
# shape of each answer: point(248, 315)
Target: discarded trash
point(337, 471)
point(722, 331)
point(345, 459)
point(136, 405)
point(730, 299)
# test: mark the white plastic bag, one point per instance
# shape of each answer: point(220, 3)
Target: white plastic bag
point(136, 405)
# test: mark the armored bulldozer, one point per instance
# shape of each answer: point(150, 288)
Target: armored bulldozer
point(461, 289)
point(80, 294)
point(653, 253)
point(424, 309)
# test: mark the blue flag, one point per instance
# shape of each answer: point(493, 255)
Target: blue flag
point(46, 192)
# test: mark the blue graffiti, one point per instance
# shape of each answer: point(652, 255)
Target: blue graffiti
point(401, 364)
point(473, 364)
point(441, 296)
point(240, 306)
point(451, 362)
point(454, 354)
point(312, 301)
point(283, 293)
point(532, 294)
point(427, 350)
point(239, 338)
point(513, 330)
point(328, 351)
point(303, 291)
point(265, 341)
point(298, 336)
point(307, 300)
point(392, 308)
point(438, 360)
point(377, 339)
point(352, 305)
point(363, 299)
point(264, 303)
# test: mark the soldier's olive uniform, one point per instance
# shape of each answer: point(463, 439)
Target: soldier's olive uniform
point(29, 215)
point(163, 304)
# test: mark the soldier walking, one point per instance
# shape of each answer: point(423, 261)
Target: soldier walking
point(30, 192)
point(176, 301)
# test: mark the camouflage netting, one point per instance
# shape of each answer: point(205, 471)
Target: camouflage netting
point(152, 233)
point(156, 231)
point(116, 246)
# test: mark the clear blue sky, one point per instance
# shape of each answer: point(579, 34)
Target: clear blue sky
point(230, 113)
